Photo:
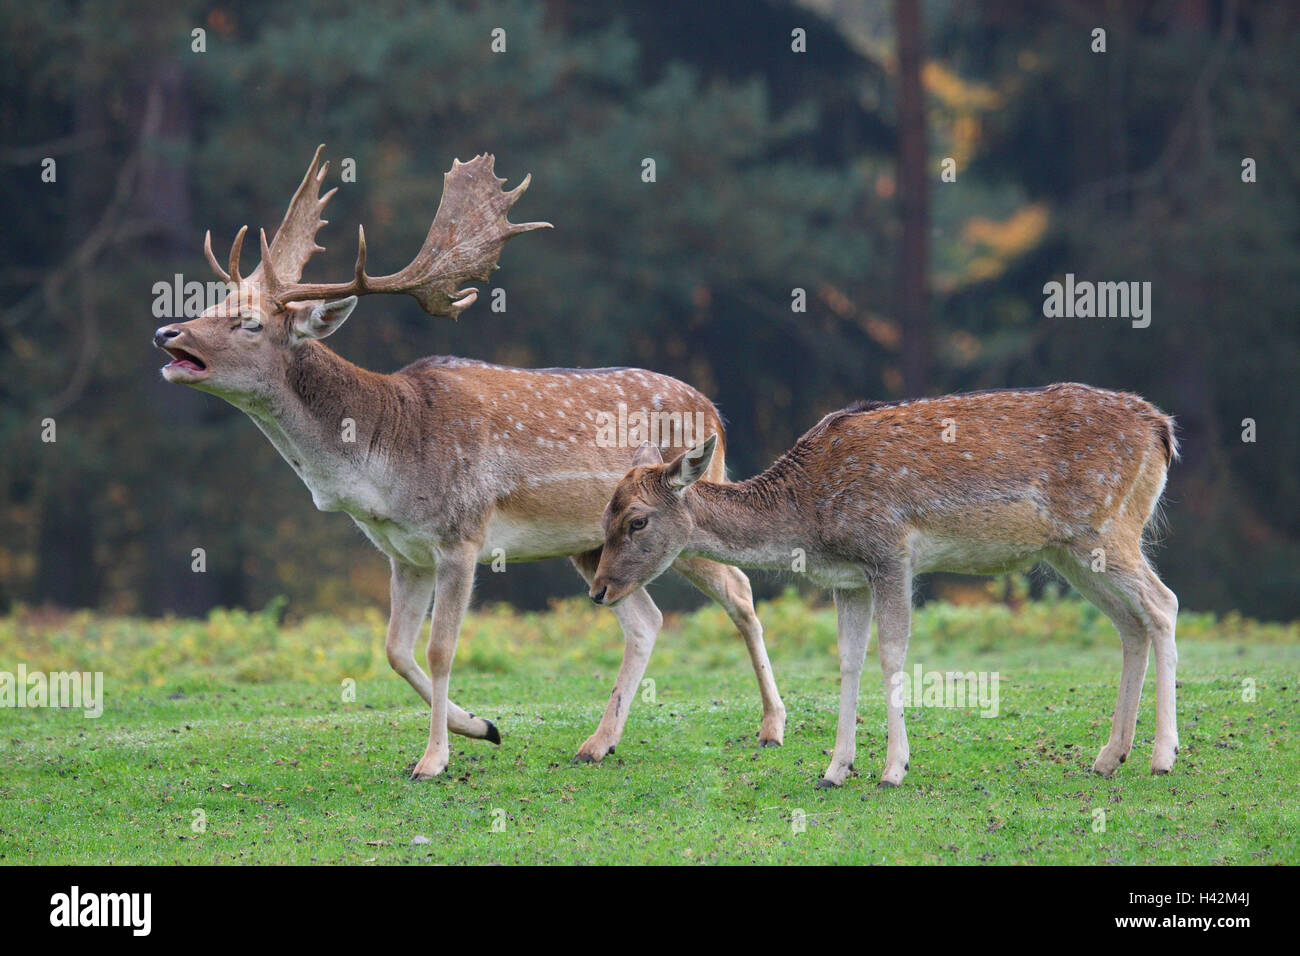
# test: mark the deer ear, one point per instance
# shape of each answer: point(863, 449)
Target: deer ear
point(315, 320)
point(691, 465)
point(647, 454)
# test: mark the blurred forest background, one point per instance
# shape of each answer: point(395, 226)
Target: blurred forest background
point(776, 170)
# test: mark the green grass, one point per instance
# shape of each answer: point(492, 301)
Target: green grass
point(243, 719)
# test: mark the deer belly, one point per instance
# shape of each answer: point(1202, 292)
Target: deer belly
point(516, 538)
point(970, 555)
point(848, 575)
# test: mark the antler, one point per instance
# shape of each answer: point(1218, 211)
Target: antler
point(295, 240)
point(463, 244)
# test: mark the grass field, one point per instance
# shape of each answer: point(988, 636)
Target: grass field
point(240, 724)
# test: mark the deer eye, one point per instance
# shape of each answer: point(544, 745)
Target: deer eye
point(250, 323)
point(636, 524)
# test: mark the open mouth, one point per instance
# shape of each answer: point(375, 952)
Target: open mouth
point(182, 359)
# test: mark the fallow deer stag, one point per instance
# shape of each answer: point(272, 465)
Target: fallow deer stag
point(451, 461)
point(979, 483)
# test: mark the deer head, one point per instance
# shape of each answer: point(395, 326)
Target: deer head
point(648, 521)
point(240, 348)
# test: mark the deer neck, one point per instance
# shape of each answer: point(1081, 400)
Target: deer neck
point(753, 524)
point(336, 424)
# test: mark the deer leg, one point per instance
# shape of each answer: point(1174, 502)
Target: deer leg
point(410, 590)
point(853, 615)
point(640, 620)
point(1161, 606)
point(730, 588)
point(893, 612)
point(452, 586)
point(1111, 592)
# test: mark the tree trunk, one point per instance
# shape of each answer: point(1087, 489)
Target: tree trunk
point(164, 199)
point(65, 545)
point(913, 185)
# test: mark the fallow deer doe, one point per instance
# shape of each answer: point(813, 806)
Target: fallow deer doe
point(451, 461)
point(979, 483)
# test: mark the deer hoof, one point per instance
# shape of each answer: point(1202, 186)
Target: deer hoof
point(768, 742)
point(588, 753)
point(1108, 761)
point(493, 735)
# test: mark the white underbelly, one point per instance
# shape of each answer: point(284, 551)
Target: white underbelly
point(512, 539)
point(931, 552)
point(506, 540)
point(846, 576)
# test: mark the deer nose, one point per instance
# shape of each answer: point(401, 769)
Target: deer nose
point(165, 335)
point(598, 597)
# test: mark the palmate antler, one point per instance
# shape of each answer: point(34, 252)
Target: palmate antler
point(463, 244)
